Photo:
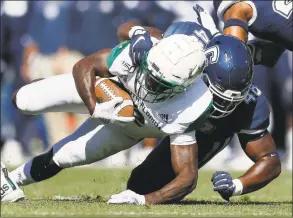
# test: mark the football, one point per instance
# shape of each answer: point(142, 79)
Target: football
point(107, 89)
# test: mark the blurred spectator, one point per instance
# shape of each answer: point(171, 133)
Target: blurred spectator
point(47, 55)
point(14, 20)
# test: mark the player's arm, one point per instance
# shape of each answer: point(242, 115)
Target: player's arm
point(84, 74)
point(184, 159)
point(261, 149)
point(185, 166)
point(236, 20)
point(267, 165)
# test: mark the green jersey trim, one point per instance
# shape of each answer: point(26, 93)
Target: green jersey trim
point(116, 51)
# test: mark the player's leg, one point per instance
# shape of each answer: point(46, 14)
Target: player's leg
point(154, 172)
point(53, 94)
point(91, 142)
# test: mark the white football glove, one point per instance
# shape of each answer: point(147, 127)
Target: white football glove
point(108, 111)
point(127, 197)
point(205, 20)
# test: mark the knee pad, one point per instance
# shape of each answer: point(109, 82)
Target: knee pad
point(43, 167)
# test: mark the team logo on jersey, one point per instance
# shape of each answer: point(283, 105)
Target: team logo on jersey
point(145, 110)
point(164, 117)
point(128, 67)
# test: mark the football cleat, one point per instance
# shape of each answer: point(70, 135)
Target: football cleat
point(10, 192)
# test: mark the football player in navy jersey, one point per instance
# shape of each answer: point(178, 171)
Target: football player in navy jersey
point(239, 108)
point(268, 20)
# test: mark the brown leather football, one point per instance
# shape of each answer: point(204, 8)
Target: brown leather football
point(106, 89)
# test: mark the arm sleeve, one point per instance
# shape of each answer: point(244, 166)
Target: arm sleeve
point(183, 138)
point(257, 119)
point(249, 135)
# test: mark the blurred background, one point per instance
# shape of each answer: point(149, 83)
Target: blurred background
point(40, 39)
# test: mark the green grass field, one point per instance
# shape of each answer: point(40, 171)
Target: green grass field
point(84, 191)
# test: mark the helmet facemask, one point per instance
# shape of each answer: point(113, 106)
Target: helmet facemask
point(169, 68)
point(224, 103)
point(154, 89)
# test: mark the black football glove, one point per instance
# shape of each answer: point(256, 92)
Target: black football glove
point(223, 184)
point(265, 53)
point(140, 44)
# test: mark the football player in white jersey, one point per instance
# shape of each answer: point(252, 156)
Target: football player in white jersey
point(167, 89)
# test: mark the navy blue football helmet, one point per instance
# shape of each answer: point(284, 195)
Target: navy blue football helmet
point(229, 73)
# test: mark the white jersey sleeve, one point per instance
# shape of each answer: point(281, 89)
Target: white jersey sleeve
point(119, 62)
point(183, 138)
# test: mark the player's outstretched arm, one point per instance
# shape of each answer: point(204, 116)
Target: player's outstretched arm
point(236, 20)
point(184, 173)
point(185, 165)
point(84, 74)
point(267, 167)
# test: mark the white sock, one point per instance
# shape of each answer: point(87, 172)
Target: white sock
point(22, 175)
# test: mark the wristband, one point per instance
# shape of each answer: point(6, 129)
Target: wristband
point(136, 30)
point(236, 22)
point(238, 187)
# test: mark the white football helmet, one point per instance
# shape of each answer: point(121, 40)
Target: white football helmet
point(171, 65)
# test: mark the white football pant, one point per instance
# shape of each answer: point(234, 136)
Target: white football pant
point(92, 141)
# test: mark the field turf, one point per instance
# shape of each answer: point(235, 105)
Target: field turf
point(84, 191)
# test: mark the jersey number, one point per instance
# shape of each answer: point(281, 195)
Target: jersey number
point(253, 94)
point(202, 37)
point(212, 54)
point(283, 7)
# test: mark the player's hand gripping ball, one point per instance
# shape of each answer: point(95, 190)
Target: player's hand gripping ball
point(120, 105)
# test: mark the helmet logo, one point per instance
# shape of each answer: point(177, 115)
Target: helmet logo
point(155, 67)
point(212, 54)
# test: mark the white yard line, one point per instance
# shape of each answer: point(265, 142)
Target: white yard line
point(132, 213)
